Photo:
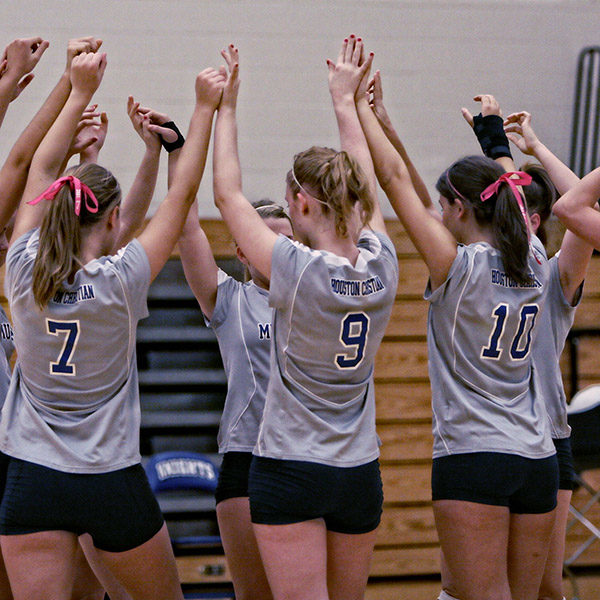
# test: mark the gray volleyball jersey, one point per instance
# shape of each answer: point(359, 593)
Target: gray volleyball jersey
point(328, 322)
point(555, 322)
point(8, 345)
point(241, 321)
point(481, 330)
point(73, 402)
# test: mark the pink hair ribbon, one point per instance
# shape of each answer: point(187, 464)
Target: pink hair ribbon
point(521, 179)
point(513, 182)
point(76, 186)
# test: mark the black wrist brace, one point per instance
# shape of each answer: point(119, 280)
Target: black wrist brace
point(490, 134)
point(170, 146)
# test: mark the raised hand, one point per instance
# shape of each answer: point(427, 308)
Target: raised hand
point(19, 59)
point(87, 70)
point(79, 46)
point(348, 77)
point(141, 118)
point(489, 106)
point(90, 134)
point(155, 120)
point(520, 132)
point(232, 85)
point(209, 87)
point(375, 91)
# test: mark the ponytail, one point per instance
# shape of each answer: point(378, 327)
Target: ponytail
point(336, 180)
point(510, 232)
point(58, 255)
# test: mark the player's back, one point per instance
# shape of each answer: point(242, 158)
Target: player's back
point(329, 320)
point(78, 351)
point(76, 378)
point(481, 328)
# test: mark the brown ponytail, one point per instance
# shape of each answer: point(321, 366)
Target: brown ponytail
point(337, 181)
point(61, 230)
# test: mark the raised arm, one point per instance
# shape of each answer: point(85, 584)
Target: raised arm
point(19, 59)
point(86, 74)
point(347, 85)
point(196, 255)
point(161, 234)
point(433, 241)
point(13, 174)
point(250, 232)
point(576, 208)
point(375, 89)
point(198, 263)
point(135, 206)
point(575, 253)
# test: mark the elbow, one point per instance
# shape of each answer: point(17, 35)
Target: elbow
point(218, 196)
point(19, 161)
point(388, 174)
point(561, 209)
point(221, 192)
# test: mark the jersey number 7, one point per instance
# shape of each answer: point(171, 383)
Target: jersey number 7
point(71, 330)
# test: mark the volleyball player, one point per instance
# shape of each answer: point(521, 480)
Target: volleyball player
point(20, 57)
point(495, 475)
point(71, 418)
point(567, 272)
point(315, 486)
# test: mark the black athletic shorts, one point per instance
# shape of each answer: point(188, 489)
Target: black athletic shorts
point(118, 509)
point(524, 485)
point(566, 470)
point(349, 499)
point(233, 476)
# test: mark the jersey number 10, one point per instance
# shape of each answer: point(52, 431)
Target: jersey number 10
point(521, 342)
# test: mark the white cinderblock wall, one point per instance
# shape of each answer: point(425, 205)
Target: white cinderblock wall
point(434, 55)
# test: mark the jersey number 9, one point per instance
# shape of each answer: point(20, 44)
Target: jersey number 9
point(353, 334)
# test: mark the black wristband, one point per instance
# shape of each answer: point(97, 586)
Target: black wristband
point(170, 146)
point(490, 134)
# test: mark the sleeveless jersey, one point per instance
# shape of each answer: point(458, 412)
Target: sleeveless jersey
point(481, 328)
point(555, 322)
point(8, 346)
point(73, 403)
point(241, 321)
point(329, 320)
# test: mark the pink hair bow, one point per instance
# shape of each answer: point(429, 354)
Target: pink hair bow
point(513, 182)
point(77, 187)
point(521, 179)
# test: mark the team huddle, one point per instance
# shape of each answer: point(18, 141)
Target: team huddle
point(299, 496)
